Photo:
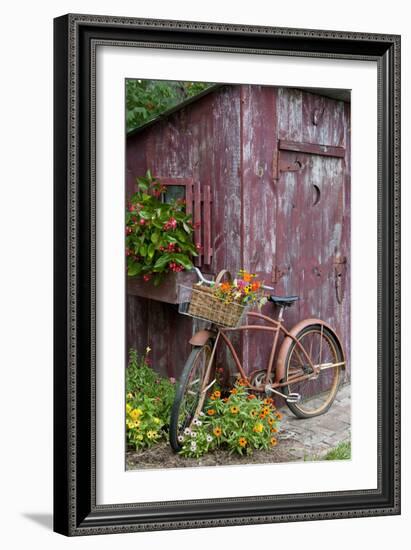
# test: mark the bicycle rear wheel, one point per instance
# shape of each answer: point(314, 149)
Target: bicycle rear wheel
point(189, 398)
point(319, 390)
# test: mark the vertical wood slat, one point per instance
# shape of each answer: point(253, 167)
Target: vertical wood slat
point(197, 220)
point(207, 251)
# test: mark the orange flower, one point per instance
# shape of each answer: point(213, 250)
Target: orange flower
point(242, 441)
point(217, 431)
point(211, 412)
point(247, 277)
point(270, 421)
point(274, 430)
point(273, 442)
point(234, 391)
point(225, 399)
point(266, 410)
point(255, 286)
point(213, 397)
point(217, 394)
point(242, 382)
point(251, 396)
point(262, 415)
point(279, 416)
point(225, 287)
point(268, 401)
point(234, 410)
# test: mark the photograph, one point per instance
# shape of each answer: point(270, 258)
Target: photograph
point(237, 266)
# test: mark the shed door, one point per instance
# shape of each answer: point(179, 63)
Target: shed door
point(309, 259)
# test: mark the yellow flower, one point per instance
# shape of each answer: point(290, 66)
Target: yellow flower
point(135, 413)
point(130, 395)
point(139, 437)
point(151, 434)
point(258, 428)
point(273, 441)
point(242, 441)
point(253, 413)
point(234, 410)
point(217, 431)
point(128, 407)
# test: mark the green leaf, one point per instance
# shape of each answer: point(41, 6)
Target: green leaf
point(134, 269)
point(142, 184)
point(163, 260)
point(150, 251)
point(154, 237)
point(187, 228)
point(143, 250)
point(145, 214)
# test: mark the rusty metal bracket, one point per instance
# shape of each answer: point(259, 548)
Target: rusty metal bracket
point(340, 267)
point(281, 165)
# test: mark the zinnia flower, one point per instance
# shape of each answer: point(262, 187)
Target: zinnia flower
point(217, 431)
point(211, 412)
point(242, 441)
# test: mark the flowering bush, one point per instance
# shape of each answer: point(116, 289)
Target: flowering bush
point(149, 399)
point(159, 235)
point(245, 289)
point(240, 422)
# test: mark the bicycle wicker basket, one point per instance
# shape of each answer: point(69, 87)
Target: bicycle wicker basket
point(201, 302)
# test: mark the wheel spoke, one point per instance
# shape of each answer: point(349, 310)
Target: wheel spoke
point(318, 390)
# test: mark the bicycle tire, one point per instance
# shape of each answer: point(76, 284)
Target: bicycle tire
point(318, 393)
point(177, 427)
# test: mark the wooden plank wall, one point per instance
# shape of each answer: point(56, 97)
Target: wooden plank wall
point(228, 141)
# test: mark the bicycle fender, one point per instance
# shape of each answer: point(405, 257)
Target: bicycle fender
point(285, 346)
point(201, 337)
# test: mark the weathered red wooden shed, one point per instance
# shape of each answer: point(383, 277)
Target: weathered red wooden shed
point(266, 172)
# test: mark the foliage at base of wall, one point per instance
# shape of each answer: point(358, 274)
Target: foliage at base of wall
point(149, 399)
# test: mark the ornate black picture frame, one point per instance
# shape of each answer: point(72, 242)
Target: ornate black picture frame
point(75, 42)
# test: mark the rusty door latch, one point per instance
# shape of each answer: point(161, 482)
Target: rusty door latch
point(340, 268)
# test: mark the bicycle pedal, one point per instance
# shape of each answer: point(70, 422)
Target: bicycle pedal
point(293, 398)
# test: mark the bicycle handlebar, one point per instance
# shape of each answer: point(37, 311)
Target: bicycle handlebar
point(208, 282)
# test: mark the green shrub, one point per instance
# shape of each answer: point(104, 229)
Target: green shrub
point(149, 399)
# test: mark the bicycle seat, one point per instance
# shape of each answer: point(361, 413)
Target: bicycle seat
point(283, 301)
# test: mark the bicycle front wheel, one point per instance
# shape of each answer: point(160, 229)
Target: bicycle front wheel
point(189, 397)
point(317, 391)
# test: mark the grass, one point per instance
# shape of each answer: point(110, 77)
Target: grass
point(341, 452)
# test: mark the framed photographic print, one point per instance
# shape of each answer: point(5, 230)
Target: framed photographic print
point(227, 287)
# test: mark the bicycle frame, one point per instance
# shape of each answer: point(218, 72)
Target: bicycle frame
point(275, 326)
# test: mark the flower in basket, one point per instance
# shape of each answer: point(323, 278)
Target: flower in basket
point(159, 235)
point(244, 290)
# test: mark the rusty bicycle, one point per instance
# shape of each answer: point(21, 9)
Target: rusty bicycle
point(306, 372)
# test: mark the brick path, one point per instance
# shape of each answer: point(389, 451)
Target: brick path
point(314, 437)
